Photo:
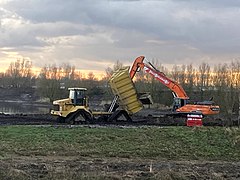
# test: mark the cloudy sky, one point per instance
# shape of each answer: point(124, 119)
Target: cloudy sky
point(94, 34)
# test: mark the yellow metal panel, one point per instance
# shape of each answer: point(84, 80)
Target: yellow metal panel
point(122, 86)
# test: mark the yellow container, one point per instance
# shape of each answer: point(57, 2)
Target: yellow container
point(122, 86)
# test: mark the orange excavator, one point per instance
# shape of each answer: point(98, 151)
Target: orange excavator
point(181, 104)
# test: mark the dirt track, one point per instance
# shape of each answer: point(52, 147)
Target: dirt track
point(115, 168)
point(26, 119)
point(41, 119)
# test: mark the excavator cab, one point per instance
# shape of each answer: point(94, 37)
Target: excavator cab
point(178, 102)
point(78, 96)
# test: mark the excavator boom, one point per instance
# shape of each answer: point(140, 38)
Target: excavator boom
point(174, 86)
point(180, 96)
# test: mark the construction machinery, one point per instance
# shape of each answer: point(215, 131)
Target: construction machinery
point(75, 108)
point(126, 102)
point(181, 105)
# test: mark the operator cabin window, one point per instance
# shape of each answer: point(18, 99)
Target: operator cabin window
point(80, 94)
point(77, 97)
point(71, 95)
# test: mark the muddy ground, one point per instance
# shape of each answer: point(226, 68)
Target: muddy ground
point(114, 168)
point(41, 119)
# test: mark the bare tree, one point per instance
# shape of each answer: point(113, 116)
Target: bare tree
point(204, 74)
point(117, 65)
point(235, 86)
point(182, 76)
point(175, 73)
point(91, 76)
point(190, 77)
point(20, 73)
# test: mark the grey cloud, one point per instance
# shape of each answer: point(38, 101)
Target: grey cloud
point(207, 27)
point(52, 11)
point(211, 3)
point(152, 17)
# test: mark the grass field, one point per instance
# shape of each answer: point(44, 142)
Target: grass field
point(80, 144)
point(172, 142)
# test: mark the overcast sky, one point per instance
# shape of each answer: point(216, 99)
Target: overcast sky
point(94, 34)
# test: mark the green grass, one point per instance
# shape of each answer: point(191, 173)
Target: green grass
point(169, 143)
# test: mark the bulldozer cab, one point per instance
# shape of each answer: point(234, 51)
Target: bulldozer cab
point(78, 96)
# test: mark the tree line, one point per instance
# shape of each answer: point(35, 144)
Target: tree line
point(220, 82)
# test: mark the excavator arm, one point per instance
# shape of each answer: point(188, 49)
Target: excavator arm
point(177, 89)
point(180, 97)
